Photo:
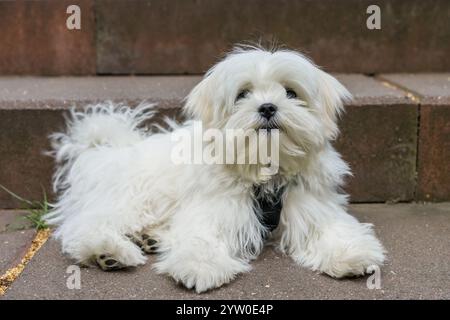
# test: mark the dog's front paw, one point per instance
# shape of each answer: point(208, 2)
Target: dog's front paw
point(200, 274)
point(343, 250)
point(354, 267)
point(201, 282)
point(203, 278)
point(354, 260)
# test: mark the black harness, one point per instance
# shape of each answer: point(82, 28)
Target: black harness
point(268, 207)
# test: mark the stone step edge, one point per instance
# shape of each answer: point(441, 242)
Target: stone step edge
point(25, 100)
point(169, 91)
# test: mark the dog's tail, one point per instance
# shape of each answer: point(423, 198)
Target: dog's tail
point(105, 124)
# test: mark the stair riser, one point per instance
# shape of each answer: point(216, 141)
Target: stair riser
point(187, 37)
point(379, 142)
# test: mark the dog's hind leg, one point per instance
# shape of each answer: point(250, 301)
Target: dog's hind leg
point(99, 244)
point(146, 241)
point(108, 262)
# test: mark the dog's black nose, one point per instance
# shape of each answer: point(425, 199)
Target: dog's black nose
point(267, 110)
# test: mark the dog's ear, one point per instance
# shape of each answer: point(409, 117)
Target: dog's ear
point(199, 102)
point(331, 98)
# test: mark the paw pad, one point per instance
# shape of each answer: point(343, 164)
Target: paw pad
point(108, 263)
point(149, 245)
point(143, 241)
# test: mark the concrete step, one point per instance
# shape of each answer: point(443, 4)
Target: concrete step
point(418, 267)
point(379, 137)
point(178, 37)
point(433, 169)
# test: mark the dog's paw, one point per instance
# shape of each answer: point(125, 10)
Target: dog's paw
point(355, 261)
point(108, 263)
point(204, 277)
point(344, 269)
point(193, 271)
point(201, 282)
point(344, 249)
point(149, 245)
point(145, 242)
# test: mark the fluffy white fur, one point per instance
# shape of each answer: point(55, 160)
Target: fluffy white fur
point(113, 179)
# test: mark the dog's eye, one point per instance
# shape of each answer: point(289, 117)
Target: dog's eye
point(242, 94)
point(290, 94)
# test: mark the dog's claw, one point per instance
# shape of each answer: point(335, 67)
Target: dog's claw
point(108, 263)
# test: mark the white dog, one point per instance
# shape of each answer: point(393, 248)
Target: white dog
point(121, 195)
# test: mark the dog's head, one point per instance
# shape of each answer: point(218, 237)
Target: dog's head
point(253, 88)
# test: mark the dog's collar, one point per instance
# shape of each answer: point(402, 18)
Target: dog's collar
point(268, 205)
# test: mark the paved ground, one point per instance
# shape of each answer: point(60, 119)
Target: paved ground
point(15, 238)
point(417, 238)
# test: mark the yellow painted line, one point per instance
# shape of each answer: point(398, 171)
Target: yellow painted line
point(11, 274)
point(410, 95)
